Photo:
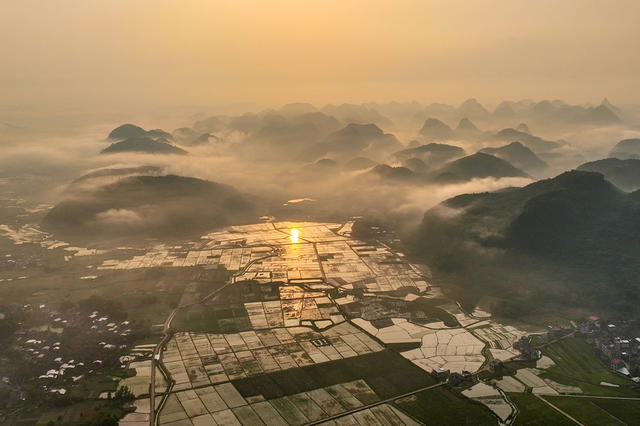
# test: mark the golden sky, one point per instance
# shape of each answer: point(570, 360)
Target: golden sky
point(208, 52)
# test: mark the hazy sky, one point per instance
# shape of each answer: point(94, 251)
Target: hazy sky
point(89, 53)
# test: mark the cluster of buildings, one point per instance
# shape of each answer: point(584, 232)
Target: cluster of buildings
point(617, 342)
point(9, 262)
point(527, 351)
point(102, 322)
point(452, 378)
point(48, 354)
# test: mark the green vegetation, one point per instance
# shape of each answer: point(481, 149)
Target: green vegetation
point(534, 412)
point(164, 206)
point(92, 385)
point(518, 155)
point(510, 367)
point(594, 411)
point(204, 318)
point(124, 394)
point(578, 365)
point(225, 313)
point(567, 241)
point(388, 374)
point(478, 165)
point(433, 154)
point(103, 413)
point(625, 174)
point(443, 406)
point(144, 144)
point(626, 411)
point(145, 295)
point(432, 312)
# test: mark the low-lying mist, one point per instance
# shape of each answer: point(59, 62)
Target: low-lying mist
point(328, 155)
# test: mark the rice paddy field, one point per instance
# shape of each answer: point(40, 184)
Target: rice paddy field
point(293, 345)
point(223, 404)
point(386, 372)
point(534, 412)
point(443, 406)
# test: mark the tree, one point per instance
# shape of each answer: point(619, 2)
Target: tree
point(102, 419)
point(124, 394)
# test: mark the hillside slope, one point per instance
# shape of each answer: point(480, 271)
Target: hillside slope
point(478, 165)
point(518, 155)
point(573, 240)
point(625, 174)
point(143, 145)
point(150, 206)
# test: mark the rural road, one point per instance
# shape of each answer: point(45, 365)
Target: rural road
point(558, 410)
point(375, 404)
point(628, 398)
point(157, 351)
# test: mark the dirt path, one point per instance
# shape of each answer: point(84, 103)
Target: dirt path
point(558, 410)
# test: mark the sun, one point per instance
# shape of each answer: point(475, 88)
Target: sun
point(294, 235)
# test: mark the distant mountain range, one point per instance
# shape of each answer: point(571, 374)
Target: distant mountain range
point(432, 154)
point(627, 148)
point(355, 140)
point(112, 174)
point(471, 108)
point(188, 136)
point(436, 130)
point(358, 114)
point(272, 135)
point(478, 165)
point(132, 138)
point(415, 164)
point(534, 143)
point(554, 113)
point(360, 163)
point(143, 144)
point(302, 131)
point(518, 155)
point(384, 115)
point(127, 131)
point(397, 173)
point(625, 174)
point(467, 130)
point(343, 113)
point(464, 169)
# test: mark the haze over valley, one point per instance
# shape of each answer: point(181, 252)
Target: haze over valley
point(251, 214)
